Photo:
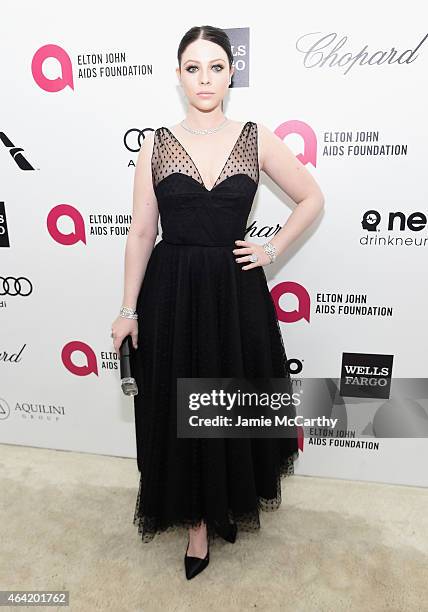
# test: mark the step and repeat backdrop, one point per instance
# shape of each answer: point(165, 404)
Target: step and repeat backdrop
point(83, 85)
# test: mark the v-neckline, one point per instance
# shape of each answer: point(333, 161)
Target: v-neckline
point(196, 167)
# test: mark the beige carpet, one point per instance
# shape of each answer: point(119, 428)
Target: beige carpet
point(66, 523)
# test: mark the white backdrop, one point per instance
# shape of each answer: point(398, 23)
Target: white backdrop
point(69, 138)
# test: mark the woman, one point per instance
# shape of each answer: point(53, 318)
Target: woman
point(204, 308)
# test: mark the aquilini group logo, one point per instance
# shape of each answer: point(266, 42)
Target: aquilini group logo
point(394, 229)
point(4, 409)
point(32, 411)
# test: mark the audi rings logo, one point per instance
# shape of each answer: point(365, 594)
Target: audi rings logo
point(134, 138)
point(9, 285)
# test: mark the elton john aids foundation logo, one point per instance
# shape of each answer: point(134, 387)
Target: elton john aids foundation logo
point(78, 233)
point(91, 360)
point(80, 359)
point(308, 135)
point(55, 84)
point(303, 309)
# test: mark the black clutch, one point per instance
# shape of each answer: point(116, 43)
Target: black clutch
point(128, 383)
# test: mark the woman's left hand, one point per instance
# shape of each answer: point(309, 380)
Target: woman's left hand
point(246, 250)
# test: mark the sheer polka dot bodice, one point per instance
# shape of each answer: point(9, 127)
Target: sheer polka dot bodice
point(170, 156)
point(192, 213)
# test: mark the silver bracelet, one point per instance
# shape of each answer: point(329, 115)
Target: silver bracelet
point(270, 250)
point(128, 313)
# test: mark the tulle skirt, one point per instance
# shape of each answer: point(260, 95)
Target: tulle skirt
point(201, 315)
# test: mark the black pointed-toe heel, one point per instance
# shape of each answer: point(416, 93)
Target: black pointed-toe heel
point(195, 565)
point(227, 532)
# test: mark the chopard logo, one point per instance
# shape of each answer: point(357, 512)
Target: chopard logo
point(327, 51)
point(16, 153)
point(17, 286)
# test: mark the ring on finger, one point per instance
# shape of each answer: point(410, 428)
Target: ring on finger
point(253, 258)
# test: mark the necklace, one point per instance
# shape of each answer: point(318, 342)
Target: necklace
point(207, 131)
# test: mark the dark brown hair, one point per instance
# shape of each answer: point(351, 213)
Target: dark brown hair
point(206, 32)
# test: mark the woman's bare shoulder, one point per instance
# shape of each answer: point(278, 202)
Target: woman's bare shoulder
point(262, 133)
point(146, 150)
point(268, 141)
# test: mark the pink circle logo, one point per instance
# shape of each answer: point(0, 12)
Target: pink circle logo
point(79, 225)
point(304, 302)
point(91, 359)
point(61, 82)
point(308, 135)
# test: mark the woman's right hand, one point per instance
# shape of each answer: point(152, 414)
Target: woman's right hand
point(122, 327)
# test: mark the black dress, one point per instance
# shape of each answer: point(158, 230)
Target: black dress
point(201, 315)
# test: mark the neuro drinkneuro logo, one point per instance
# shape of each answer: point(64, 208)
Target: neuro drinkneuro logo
point(393, 222)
